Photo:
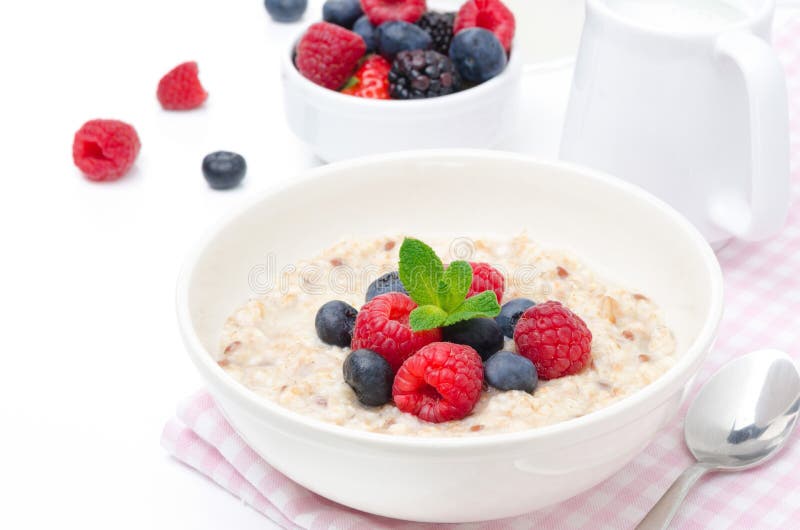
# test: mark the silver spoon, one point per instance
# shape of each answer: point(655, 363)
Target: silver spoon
point(741, 417)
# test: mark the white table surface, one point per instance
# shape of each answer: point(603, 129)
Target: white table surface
point(92, 363)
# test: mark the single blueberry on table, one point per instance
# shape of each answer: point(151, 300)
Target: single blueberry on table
point(507, 370)
point(342, 12)
point(396, 36)
point(370, 376)
point(482, 334)
point(334, 323)
point(224, 170)
point(477, 54)
point(366, 30)
point(388, 283)
point(286, 10)
point(510, 314)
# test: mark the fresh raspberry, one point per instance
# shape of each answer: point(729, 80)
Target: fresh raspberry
point(486, 278)
point(488, 14)
point(371, 79)
point(105, 149)
point(441, 382)
point(180, 89)
point(555, 339)
point(382, 326)
point(328, 54)
point(380, 11)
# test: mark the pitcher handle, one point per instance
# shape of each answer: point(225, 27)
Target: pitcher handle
point(761, 211)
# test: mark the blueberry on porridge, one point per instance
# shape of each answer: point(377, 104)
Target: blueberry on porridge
point(432, 352)
point(510, 314)
point(334, 323)
point(482, 334)
point(505, 370)
point(388, 283)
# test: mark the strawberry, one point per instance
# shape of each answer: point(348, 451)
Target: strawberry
point(371, 80)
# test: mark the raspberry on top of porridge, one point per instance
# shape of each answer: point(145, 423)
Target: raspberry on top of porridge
point(498, 335)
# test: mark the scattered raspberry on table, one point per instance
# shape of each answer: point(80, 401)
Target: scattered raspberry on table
point(441, 382)
point(382, 326)
point(105, 149)
point(180, 88)
point(555, 339)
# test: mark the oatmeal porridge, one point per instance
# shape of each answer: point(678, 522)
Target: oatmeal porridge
point(270, 344)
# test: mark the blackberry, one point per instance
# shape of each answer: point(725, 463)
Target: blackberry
point(440, 27)
point(421, 74)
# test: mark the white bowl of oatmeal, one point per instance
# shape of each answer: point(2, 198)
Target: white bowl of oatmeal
point(643, 279)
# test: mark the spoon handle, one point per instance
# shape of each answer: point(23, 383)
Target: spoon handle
point(667, 506)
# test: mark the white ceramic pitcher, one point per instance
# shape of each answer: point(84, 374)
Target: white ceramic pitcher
point(687, 99)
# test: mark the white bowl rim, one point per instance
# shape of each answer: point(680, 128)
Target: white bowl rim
point(256, 405)
point(509, 74)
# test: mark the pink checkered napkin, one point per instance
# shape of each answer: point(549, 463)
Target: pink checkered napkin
point(762, 282)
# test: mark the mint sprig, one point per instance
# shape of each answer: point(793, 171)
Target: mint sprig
point(440, 293)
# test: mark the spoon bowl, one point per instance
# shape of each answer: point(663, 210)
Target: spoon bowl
point(741, 417)
point(745, 412)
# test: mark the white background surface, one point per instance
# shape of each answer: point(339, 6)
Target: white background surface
point(92, 363)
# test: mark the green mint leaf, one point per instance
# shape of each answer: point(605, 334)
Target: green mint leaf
point(421, 272)
point(441, 295)
point(426, 317)
point(482, 305)
point(455, 285)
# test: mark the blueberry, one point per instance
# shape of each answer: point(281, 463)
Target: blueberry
point(224, 170)
point(334, 322)
point(478, 54)
point(366, 30)
point(396, 36)
point(370, 377)
point(286, 10)
point(483, 334)
point(388, 283)
point(510, 313)
point(506, 370)
point(341, 12)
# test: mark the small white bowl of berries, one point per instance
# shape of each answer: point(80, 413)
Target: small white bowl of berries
point(379, 76)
